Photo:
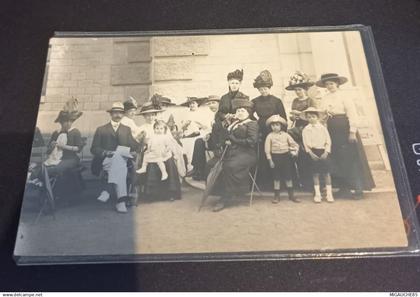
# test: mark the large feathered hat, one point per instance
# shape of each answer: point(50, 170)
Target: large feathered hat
point(161, 100)
point(130, 103)
point(299, 80)
point(154, 105)
point(70, 111)
point(263, 80)
point(241, 102)
point(237, 74)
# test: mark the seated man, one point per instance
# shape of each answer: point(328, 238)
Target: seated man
point(108, 148)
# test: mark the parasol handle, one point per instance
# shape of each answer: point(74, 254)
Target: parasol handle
point(224, 152)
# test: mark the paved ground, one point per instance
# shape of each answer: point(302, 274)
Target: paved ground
point(92, 228)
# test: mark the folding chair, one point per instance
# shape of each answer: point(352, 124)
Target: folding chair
point(49, 199)
point(254, 177)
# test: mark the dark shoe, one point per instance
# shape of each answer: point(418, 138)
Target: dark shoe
point(219, 206)
point(358, 195)
point(343, 193)
point(294, 199)
point(276, 198)
point(292, 196)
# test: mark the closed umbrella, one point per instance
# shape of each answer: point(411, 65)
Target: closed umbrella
point(212, 177)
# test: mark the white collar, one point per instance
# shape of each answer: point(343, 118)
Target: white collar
point(317, 124)
point(115, 124)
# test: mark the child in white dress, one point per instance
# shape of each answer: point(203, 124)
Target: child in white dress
point(158, 149)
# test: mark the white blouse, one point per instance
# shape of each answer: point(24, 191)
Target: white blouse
point(135, 130)
point(340, 103)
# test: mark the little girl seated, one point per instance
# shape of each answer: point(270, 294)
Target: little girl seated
point(317, 143)
point(158, 149)
point(280, 148)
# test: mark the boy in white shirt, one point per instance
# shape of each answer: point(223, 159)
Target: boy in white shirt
point(317, 143)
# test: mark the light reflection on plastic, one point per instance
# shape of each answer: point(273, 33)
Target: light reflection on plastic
point(416, 151)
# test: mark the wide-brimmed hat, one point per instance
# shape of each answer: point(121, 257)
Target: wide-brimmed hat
point(237, 74)
point(299, 80)
point(64, 116)
point(275, 119)
point(116, 106)
point(264, 79)
point(149, 107)
point(69, 112)
point(242, 102)
point(303, 114)
point(211, 98)
point(331, 77)
point(192, 99)
point(130, 103)
point(159, 100)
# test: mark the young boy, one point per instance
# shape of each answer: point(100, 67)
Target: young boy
point(280, 148)
point(317, 143)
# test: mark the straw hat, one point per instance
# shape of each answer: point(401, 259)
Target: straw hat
point(275, 119)
point(116, 106)
point(311, 109)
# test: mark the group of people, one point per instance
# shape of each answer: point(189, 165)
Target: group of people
point(316, 147)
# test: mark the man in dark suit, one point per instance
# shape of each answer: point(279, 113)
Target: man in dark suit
point(111, 148)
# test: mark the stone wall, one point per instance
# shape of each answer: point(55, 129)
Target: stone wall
point(99, 71)
point(198, 65)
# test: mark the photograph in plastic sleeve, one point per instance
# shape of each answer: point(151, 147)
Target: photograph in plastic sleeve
point(220, 144)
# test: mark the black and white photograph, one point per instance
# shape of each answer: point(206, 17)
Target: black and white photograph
point(208, 144)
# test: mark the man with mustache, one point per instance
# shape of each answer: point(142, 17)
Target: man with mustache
point(111, 148)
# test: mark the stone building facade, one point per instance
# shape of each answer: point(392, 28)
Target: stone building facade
point(99, 71)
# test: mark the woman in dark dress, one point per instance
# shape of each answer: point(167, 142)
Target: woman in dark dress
point(225, 113)
point(151, 186)
point(240, 156)
point(69, 181)
point(264, 106)
point(299, 82)
point(350, 168)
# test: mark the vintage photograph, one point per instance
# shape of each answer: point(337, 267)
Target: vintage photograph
point(198, 144)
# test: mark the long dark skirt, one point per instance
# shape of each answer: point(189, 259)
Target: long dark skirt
point(69, 183)
point(234, 178)
point(153, 188)
point(199, 159)
point(264, 177)
point(349, 165)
